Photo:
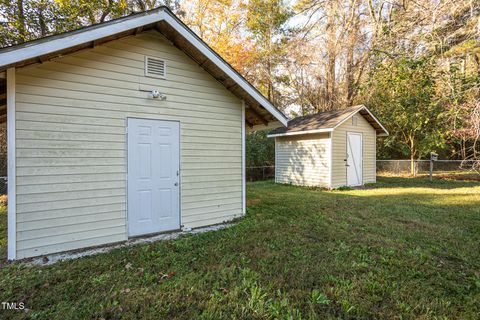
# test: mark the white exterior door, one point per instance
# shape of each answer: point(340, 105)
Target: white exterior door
point(354, 159)
point(153, 176)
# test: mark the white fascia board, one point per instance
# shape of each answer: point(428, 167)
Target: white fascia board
point(36, 50)
point(297, 133)
point(205, 50)
point(11, 149)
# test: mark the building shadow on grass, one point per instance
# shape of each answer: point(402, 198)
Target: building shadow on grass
point(3, 234)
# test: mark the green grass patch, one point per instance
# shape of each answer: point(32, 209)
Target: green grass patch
point(399, 249)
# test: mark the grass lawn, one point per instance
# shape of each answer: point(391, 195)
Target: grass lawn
point(403, 248)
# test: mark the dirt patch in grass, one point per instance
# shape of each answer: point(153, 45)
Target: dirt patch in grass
point(466, 176)
point(252, 202)
point(472, 176)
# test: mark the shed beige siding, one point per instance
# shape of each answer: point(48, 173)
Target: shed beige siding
point(303, 160)
point(339, 145)
point(71, 142)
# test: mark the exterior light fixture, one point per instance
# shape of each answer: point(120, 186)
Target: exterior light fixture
point(155, 94)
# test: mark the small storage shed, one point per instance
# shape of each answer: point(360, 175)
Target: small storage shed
point(328, 149)
point(126, 128)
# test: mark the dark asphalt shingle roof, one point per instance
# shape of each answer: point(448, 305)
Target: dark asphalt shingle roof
point(321, 120)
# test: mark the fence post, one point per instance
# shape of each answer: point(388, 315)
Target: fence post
point(431, 169)
point(433, 157)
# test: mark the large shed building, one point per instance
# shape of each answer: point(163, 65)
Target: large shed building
point(328, 149)
point(127, 128)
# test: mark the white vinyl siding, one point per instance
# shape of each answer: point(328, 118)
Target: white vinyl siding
point(303, 160)
point(339, 145)
point(71, 142)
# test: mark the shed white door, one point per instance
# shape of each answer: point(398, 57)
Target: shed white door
point(153, 176)
point(354, 159)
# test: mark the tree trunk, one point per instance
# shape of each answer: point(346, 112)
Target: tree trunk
point(352, 39)
point(142, 5)
point(413, 172)
point(106, 12)
point(331, 56)
point(42, 24)
point(22, 29)
point(476, 58)
point(413, 153)
point(349, 73)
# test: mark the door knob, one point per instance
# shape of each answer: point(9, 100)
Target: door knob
point(176, 184)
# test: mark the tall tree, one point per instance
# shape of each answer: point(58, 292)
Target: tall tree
point(221, 23)
point(401, 92)
point(267, 23)
point(331, 54)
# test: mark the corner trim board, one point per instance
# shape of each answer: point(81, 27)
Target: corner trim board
point(330, 185)
point(276, 167)
point(12, 218)
point(244, 168)
point(375, 159)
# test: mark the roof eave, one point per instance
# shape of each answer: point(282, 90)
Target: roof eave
point(297, 133)
point(385, 131)
point(382, 133)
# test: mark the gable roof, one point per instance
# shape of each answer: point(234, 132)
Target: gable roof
point(259, 110)
point(326, 122)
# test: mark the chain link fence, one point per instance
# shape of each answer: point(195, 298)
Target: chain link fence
point(403, 167)
point(260, 173)
point(390, 167)
point(3, 185)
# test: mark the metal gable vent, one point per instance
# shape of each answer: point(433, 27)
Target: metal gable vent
point(155, 67)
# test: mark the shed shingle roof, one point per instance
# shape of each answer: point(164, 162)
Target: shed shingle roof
point(327, 121)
